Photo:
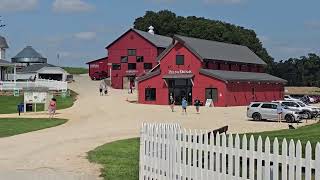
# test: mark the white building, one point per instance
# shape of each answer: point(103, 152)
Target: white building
point(41, 71)
point(4, 65)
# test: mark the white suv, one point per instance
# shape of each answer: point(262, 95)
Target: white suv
point(309, 111)
point(290, 98)
point(268, 110)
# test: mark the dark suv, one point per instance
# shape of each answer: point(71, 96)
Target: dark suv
point(99, 75)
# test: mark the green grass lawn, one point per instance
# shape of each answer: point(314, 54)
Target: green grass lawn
point(120, 159)
point(76, 70)
point(8, 104)
point(14, 126)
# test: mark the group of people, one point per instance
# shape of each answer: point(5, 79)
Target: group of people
point(184, 104)
point(103, 88)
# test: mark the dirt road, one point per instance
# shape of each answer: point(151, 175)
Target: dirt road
point(95, 120)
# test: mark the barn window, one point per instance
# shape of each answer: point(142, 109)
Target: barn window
point(132, 52)
point(124, 59)
point(132, 66)
point(150, 94)
point(139, 58)
point(116, 66)
point(180, 60)
point(147, 65)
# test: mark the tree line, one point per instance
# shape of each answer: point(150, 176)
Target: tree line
point(301, 71)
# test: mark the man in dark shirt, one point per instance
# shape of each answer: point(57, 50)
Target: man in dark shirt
point(197, 105)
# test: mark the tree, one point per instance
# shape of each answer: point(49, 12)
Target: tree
point(303, 71)
point(167, 23)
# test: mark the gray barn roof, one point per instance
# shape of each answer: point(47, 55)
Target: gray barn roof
point(148, 75)
point(3, 42)
point(157, 40)
point(29, 55)
point(241, 76)
point(213, 50)
point(34, 68)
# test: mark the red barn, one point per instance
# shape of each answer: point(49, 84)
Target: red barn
point(133, 54)
point(99, 67)
point(230, 75)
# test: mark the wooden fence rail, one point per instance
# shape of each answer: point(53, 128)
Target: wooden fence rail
point(168, 152)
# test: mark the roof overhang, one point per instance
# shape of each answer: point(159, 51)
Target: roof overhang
point(101, 59)
point(178, 76)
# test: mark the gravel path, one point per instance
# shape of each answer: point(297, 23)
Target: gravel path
point(94, 120)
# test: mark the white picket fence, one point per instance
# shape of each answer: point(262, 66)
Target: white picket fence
point(51, 84)
point(168, 152)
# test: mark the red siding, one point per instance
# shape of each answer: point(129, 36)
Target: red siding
point(192, 63)
point(98, 66)
point(229, 93)
point(130, 40)
point(240, 94)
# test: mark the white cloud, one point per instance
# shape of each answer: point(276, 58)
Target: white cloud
point(72, 6)
point(17, 5)
point(85, 35)
point(224, 1)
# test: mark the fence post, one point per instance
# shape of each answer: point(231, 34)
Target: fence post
point(224, 151)
point(308, 160)
point(244, 157)
point(251, 156)
point(237, 157)
point(259, 159)
point(142, 155)
point(317, 164)
point(284, 155)
point(291, 172)
point(230, 157)
point(207, 156)
point(275, 159)
point(267, 159)
point(298, 160)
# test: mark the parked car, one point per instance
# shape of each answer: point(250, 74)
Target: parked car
point(290, 98)
point(268, 110)
point(316, 98)
point(308, 111)
point(99, 75)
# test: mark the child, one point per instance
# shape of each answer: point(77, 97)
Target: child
point(197, 105)
point(279, 112)
point(184, 105)
point(52, 107)
point(171, 102)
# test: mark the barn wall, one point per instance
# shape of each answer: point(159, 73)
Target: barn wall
point(130, 40)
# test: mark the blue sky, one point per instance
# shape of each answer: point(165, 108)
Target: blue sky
point(80, 29)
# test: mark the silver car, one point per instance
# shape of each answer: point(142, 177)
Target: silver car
point(268, 110)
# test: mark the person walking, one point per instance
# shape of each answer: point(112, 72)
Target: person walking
point(184, 105)
point(52, 107)
point(105, 90)
point(171, 102)
point(279, 112)
point(197, 105)
point(101, 87)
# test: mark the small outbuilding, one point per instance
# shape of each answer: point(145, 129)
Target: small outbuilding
point(42, 71)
